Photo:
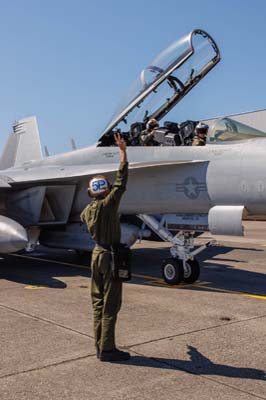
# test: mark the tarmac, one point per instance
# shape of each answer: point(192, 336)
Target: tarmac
point(206, 340)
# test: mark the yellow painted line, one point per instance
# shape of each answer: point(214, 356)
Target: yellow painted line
point(50, 261)
point(35, 287)
point(74, 265)
point(147, 277)
point(152, 280)
point(217, 289)
point(221, 290)
point(162, 283)
point(261, 297)
point(255, 296)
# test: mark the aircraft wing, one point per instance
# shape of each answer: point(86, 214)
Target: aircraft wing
point(50, 174)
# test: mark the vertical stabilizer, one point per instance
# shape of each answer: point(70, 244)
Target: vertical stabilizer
point(22, 145)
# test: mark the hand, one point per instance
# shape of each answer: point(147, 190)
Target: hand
point(120, 141)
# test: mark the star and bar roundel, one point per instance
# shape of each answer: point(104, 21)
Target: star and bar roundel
point(191, 187)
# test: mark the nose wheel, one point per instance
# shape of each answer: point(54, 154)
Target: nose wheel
point(191, 271)
point(174, 272)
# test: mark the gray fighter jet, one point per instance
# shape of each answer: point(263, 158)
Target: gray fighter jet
point(174, 189)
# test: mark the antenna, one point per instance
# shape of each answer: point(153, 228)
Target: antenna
point(73, 144)
point(46, 151)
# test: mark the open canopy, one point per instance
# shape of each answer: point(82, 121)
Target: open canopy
point(165, 81)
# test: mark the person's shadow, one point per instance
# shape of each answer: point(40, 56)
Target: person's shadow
point(198, 364)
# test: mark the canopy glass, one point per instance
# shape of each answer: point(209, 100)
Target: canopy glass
point(166, 80)
point(226, 129)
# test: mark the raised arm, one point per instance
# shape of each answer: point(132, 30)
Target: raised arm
point(123, 147)
point(119, 185)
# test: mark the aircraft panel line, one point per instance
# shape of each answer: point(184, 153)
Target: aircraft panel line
point(47, 366)
point(200, 330)
point(46, 320)
point(154, 359)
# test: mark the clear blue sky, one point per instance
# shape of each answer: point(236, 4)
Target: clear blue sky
point(69, 62)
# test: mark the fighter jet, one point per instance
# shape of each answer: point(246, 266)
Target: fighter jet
point(174, 189)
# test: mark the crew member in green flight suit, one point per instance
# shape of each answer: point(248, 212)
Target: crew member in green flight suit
point(201, 134)
point(102, 219)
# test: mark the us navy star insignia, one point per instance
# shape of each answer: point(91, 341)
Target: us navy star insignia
point(191, 187)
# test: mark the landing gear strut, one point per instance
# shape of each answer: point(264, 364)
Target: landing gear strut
point(183, 266)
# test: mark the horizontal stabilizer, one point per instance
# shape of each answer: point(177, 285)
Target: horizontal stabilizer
point(23, 144)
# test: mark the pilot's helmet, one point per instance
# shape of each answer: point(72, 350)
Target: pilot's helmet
point(99, 186)
point(152, 123)
point(201, 127)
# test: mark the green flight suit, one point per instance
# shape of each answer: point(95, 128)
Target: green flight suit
point(198, 141)
point(147, 139)
point(102, 219)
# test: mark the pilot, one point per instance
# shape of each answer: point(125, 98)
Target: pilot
point(201, 134)
point(101, 217)
point(147, 136)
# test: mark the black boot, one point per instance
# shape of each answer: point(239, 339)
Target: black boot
point(114, 355)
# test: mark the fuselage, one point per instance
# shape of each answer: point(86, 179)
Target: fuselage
point(194, 180)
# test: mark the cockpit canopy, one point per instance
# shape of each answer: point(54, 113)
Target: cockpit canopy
point(165, 81)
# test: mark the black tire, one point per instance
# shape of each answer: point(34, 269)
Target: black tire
point(172, 271)
point(193, 272)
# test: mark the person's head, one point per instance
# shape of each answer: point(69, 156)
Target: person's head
point(202, 129)
point(152, 124)
point(99, 187)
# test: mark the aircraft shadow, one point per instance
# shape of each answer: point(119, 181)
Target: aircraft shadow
point(218, 274)
point(199, 365)
point(213, 251)
point(146, 263)
point(224, 276)
point(32, 272)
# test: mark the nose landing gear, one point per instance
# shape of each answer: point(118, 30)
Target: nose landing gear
point(183, 266)
point(174, 272)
